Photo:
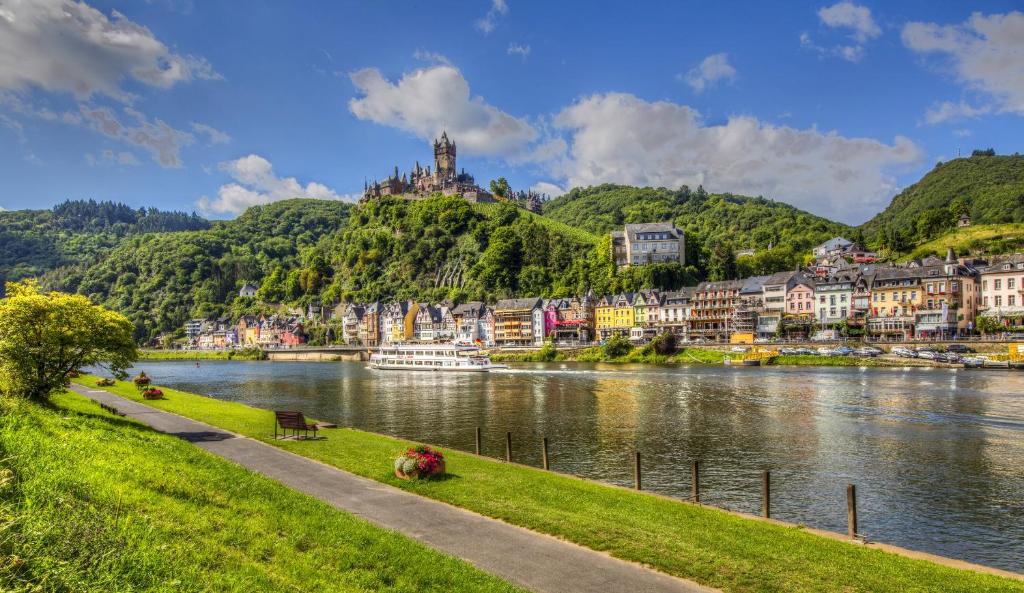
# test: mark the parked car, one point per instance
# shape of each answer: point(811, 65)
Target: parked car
point(928, 354)
point(789, 351)
point(825, 351)
point(950, 357)
point(740, 349)
point(867, 352)
point(874, 350)
point(904, 352)
point(959, 349)
point(804, 351)
point(843, 351)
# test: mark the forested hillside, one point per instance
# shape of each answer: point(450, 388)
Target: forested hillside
point(717, 225)
point(76, 233)
point(989, 188)
point(160, 280)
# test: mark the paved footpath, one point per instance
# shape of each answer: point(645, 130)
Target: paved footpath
point(532, 560)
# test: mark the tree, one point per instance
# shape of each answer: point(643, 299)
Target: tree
point(46, 337)
point(664, 343)
point(987, 325)
point(500, 187)
point(617, 346)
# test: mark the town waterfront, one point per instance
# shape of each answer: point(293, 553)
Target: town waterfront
point(935, 453)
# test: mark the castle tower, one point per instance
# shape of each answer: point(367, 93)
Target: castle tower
point(444, 157)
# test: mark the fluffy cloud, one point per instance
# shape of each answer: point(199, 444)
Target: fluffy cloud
point(213, 135)
point(623, 139)
point(545, 187)
point(714, 68)
point(67, 46)
point(157, 137)
point(109, 157)
point(256, 183)
point(489, 22)
point(948, 110)
point(429, 100)
point(848, 15)
point(986, 54)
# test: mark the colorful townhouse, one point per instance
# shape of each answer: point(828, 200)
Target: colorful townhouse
point(674, 313)
point(369, 325)
point(895, 295)
point(800, 296)
point(515, 321)
point(713, 307)
point(604, 317)
point(1002, 290)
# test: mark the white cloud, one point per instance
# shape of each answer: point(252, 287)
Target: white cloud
point(162, 141)
point(712, 69)
point(520, 50)
point(545, 187)
point(67, 46)
point(429, 100)
point(847, 15)
point(489, 22)
point(213, 135)
point(948, 110)
point(620, 138)
point(255, 183)
point(431, 56)
point(986, 53)
point(109, 157)
point(962, 133)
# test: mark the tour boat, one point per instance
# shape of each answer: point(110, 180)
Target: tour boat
point(432, 357)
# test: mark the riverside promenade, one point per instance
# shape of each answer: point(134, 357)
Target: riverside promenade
point(532, 560)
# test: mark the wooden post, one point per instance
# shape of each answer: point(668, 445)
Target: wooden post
point(508, 446)
point(766, 494)
point(696, 481)
point(636, 470)
point(477, 440)
point(851, 510)
point(544, 452)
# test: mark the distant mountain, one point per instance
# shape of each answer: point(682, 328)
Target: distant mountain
point(990, 189)
point(716, 225)
point(76, 233)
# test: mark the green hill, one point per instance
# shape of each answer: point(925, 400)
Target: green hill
point(988, 188)
point(76, 233)
point(716, 224)
point(978, 240)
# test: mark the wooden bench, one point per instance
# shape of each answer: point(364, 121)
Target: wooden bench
point(293, 421)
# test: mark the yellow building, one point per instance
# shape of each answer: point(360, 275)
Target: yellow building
point(624, 313)
point(896, 294)
point(604, 317)
point(404, 332)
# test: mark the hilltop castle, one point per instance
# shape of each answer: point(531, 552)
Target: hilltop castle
point(421, 183)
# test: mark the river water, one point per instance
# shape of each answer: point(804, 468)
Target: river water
point(937, 455)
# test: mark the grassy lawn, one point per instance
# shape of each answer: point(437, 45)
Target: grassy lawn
point(982, 238)
point(91, 502)
point(704, 544)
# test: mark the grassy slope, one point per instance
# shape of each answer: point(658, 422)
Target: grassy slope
point(993, 187)
point(700, 543)
point(99, 503)
point(553, 225)
point(249, 354)
point(975, 239)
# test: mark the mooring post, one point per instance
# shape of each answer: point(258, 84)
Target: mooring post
point(696, 481)
point(477, 440)
point(636, 470)
point(508, 446)
point(851, 510)
point(766, 494)
point(544, 452)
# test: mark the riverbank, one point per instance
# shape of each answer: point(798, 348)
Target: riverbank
point(246, 354)
point(710, 546)
point(709, 356)
point(92, 502)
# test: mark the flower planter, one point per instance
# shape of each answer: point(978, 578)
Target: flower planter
point(417, 475)
point(152, 394)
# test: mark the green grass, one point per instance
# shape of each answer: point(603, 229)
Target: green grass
point(976, 239)
point(830, 361)
point(94, 503)
point(247, 354)
point(555, 225)
point(707, 545)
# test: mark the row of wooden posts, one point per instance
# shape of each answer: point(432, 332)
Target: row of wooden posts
point(766, 481)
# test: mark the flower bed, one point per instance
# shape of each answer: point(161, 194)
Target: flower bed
point(419, 463)
point(152, 393)
point(142, 381)
point(105, 383)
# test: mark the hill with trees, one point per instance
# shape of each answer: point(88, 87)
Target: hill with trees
point(717, 225)
point(76, 233)
point(988, 188)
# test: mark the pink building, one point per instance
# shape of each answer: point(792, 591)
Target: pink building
point(800, 297)
point(550, 317)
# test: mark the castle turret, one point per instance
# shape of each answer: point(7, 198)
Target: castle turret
point(444, 156)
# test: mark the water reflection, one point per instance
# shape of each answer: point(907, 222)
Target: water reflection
point(936, 454)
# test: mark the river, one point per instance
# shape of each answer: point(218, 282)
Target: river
point(937, 454)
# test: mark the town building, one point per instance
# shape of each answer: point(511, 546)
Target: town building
point(834, 246)
point(674, 313)
point(650, 243)
point(369, 325)
point(247, 291)
point(834, 296)
point(713, 307)
point(514, 321)
point(646, 315)
point(773, 303)
point(1002, 287)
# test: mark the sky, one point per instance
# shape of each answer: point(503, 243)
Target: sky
point(217, 106)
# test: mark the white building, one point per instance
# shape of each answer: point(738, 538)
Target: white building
point(650, 243)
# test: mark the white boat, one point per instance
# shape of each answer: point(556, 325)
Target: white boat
point(432, 357)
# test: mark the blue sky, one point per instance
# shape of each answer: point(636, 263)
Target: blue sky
point(214, 106)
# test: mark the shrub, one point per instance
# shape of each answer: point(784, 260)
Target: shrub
point(665, 344)
point(617, 346)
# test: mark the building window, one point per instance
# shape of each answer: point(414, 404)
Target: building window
point(1010, 283)
point(1011, 300)
point(999, 300)
point(997, 284)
